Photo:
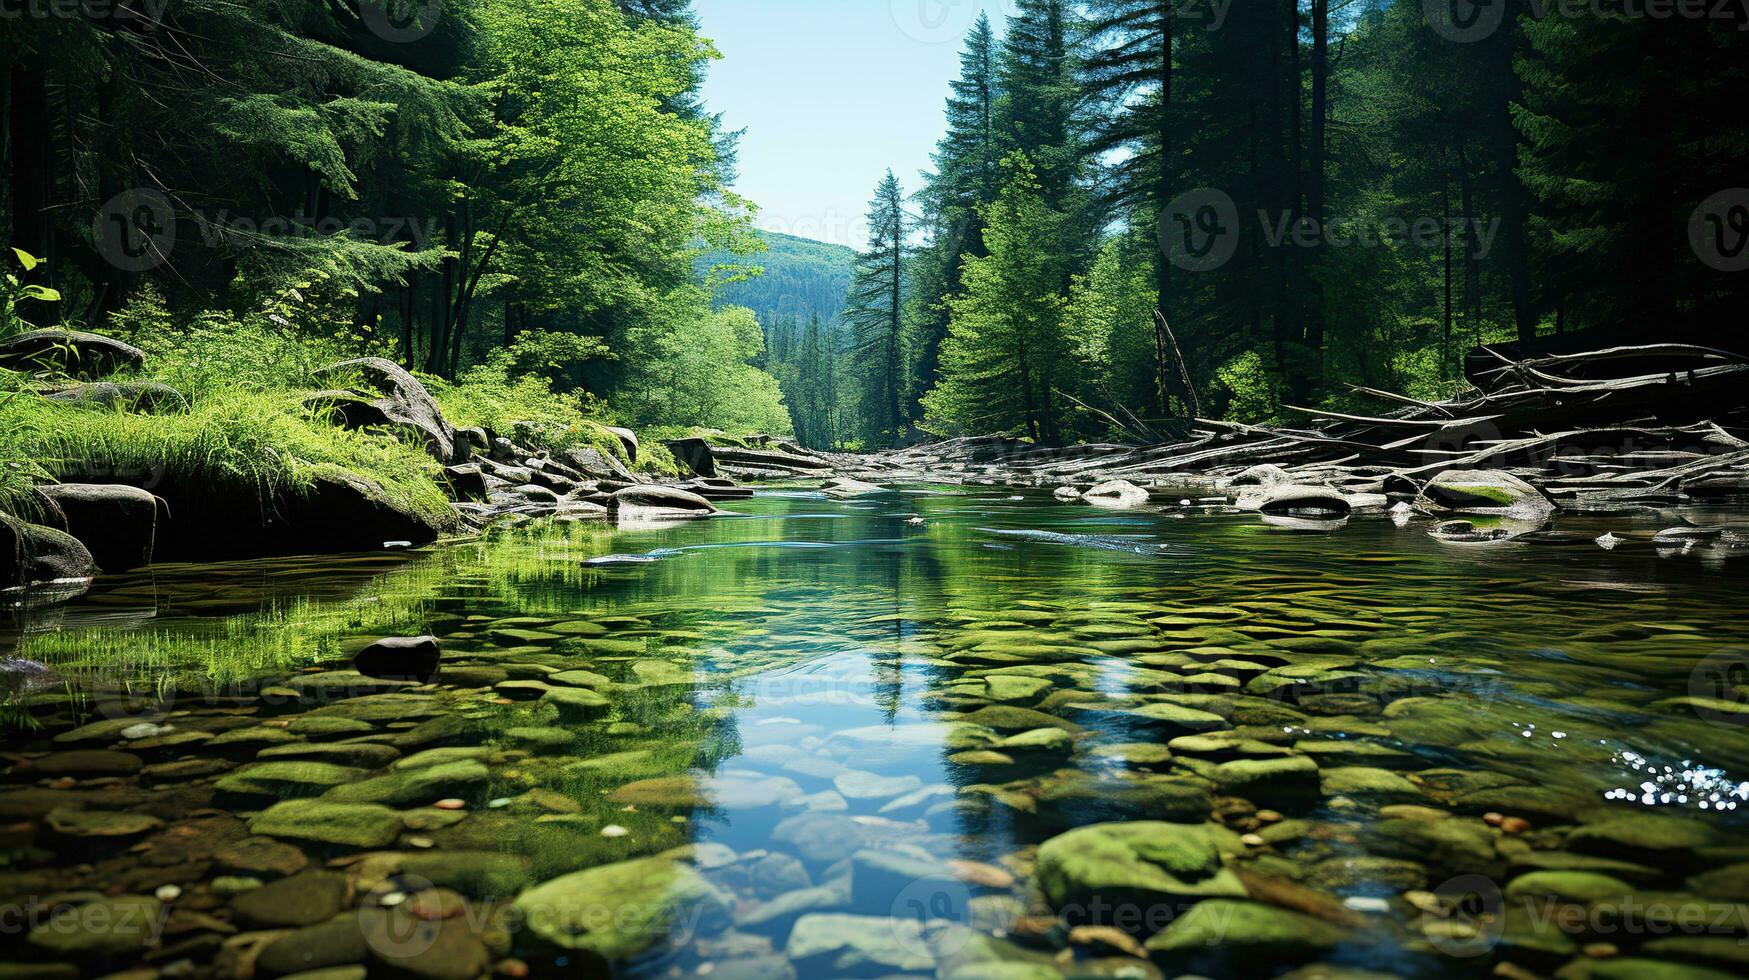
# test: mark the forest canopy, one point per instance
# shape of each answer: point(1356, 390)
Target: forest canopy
point(430, 182)
point(1141, 209)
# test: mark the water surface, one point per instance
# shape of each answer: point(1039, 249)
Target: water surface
point(836, 701)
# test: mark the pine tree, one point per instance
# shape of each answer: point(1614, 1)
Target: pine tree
point(967, 165)
point(1040, 96)
point(1129, 74)
point(1005, 356)
point(875, 313)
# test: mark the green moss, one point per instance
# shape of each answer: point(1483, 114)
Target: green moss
point(262, 442)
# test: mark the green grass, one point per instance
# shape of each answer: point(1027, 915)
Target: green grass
point(264, 442)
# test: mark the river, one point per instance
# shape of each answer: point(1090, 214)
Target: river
point(828, 738)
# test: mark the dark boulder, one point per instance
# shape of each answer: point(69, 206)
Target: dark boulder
point(31, 554)
point(117, 523)
point(72, 352)
point(412, 658)
point(466, 482)
point(339, 512)
point(627, 438)
point(405, 402)
point(144, 397)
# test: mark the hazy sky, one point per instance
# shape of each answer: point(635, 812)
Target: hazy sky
point(831, 94)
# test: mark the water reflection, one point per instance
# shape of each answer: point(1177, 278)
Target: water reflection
point(830, 703)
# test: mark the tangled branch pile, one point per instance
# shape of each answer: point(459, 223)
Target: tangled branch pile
point(1629, 424)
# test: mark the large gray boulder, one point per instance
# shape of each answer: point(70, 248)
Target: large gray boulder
point(32, 554)
point(145, 397)
point(595, 464)
point(1117, 494)
point(1298, 501)
point(119, 524)
point(72, 352)
point(1483, 492)
point(654, 502)
point(404, 401)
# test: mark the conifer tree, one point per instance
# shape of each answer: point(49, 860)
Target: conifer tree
point(875, 314)
point(1005, 356)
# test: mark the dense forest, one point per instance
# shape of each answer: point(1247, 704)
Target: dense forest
point(519, 189)
point(1141, 210)
point(1314, 195)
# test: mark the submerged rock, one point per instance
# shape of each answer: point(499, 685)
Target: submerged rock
point(827, 944)
point(844, 488)
point(352, 825)
point(400, 658)
point(1150, 866)
point(620, 911)
point(1245, 933)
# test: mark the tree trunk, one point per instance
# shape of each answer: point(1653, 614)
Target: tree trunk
point(28, 139)
point(1318, 166)
point(1163, 198)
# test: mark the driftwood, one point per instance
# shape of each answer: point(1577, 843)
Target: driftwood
point(1627, 423)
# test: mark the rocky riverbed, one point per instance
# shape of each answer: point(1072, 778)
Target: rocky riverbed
point(944, 731)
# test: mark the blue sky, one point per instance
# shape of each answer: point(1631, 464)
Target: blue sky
point(831, 94)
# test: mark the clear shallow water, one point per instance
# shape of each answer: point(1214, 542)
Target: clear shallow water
point(825, 696)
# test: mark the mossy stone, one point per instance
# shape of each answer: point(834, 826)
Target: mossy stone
point(1245, 932)
point(412, 787)
point(352, 825)
point(620, 911)
point(1146, 864)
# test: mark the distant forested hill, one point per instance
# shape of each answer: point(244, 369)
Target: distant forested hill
point(802, 277)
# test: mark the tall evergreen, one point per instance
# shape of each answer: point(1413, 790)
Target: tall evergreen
point(876, 317)
point(966, 177)
point(1006, 359)
point(1041, 97)
point(1129, 72)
